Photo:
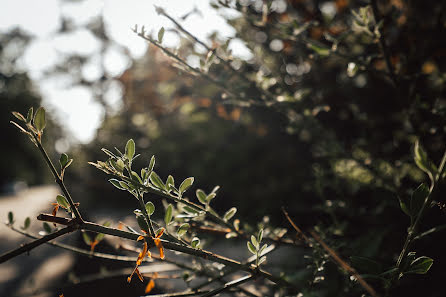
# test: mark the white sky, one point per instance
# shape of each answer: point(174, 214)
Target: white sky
point(41, 18)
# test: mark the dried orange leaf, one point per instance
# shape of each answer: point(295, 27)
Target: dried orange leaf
point(140, 238)
point(159, 245)
point(149, 286)
point(149, 254)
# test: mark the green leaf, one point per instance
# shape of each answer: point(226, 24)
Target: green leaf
point(10, 218)
point(87, 238)
point(262, 249)
point(254, 242)
point(186, 184)
point(99, 237)
point(183, 229)
point(201, 195)
point(195, 243)
point(261, 260)
point(26, 223)
point(124, 185)
point(251, 247)
point(190, 210)
point(47, 227)
point(404, 207)
point(142, 223)
point(168, 216)
point(39, 119)
point(170, 182)
point(156, 181)
point(418, 198)
point(420, 265)
point(130, 149)
point(152, 164)
point(150, 208)
point(136, 177)
point(19, 116)
point(423, 162)
point(109, 153)
point(29, 116)
point(120, 165)
point(229, 214)
point(366, 265)
point(63, 160)
point(117, 184)
point(62, 201)
point(210, 197)
point(260, 236)
point(161, 35)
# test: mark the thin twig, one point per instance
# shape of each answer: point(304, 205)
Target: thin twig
point(229, 285)
point(29, 246)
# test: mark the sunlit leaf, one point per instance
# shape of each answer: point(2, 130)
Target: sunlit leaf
point(19, 116)
point(39, 119)
point(195, 243)
point(229, 214)
point(130, 149)
point(254, 242)
point(251, 247)
point(168, 215)
point(183, 229)
point(201, 195)
point(261, 260)
point(152, 163)
point(186, 184)
point(29, 116)
point(150, 208)
point(156, 181)
point(161, 35)
point(62, 201)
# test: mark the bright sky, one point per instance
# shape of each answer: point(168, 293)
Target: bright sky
point(41, 18)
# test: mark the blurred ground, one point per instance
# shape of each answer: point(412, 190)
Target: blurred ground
point(42, 266)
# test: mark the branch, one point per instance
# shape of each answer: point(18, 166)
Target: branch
point(229, 285)
point(29, 246)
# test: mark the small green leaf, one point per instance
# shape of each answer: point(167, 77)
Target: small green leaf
point(254, 242)
point(201, 195)
point(183, 229)
point(120, 165)
point(420, 265)
point(117, 184)
point(195, 243)
point(404, 207)
point(136, 177)
point(170, 182)
point(418, 198)
point(156, 181)
point(142, 223)
point(39, 119)
point(124, 185)
point(262, 249)
point(19, 116)
point(260, 236)
point(186, 184)
point(29, 116)
point(47, 227)
point(251, 248)
point(190, 210)
point(62, 201)
point(99, 237)
point(10, 218)
point(87, 238)
point(210, 197)
point(150, 208)
point(152, 164)
point(168, 216)
point(63, 160)
point(229, 214)
point(261, 260)
point(130, 149)
point(26, 223)
point(161, 35)
point(109, 153)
